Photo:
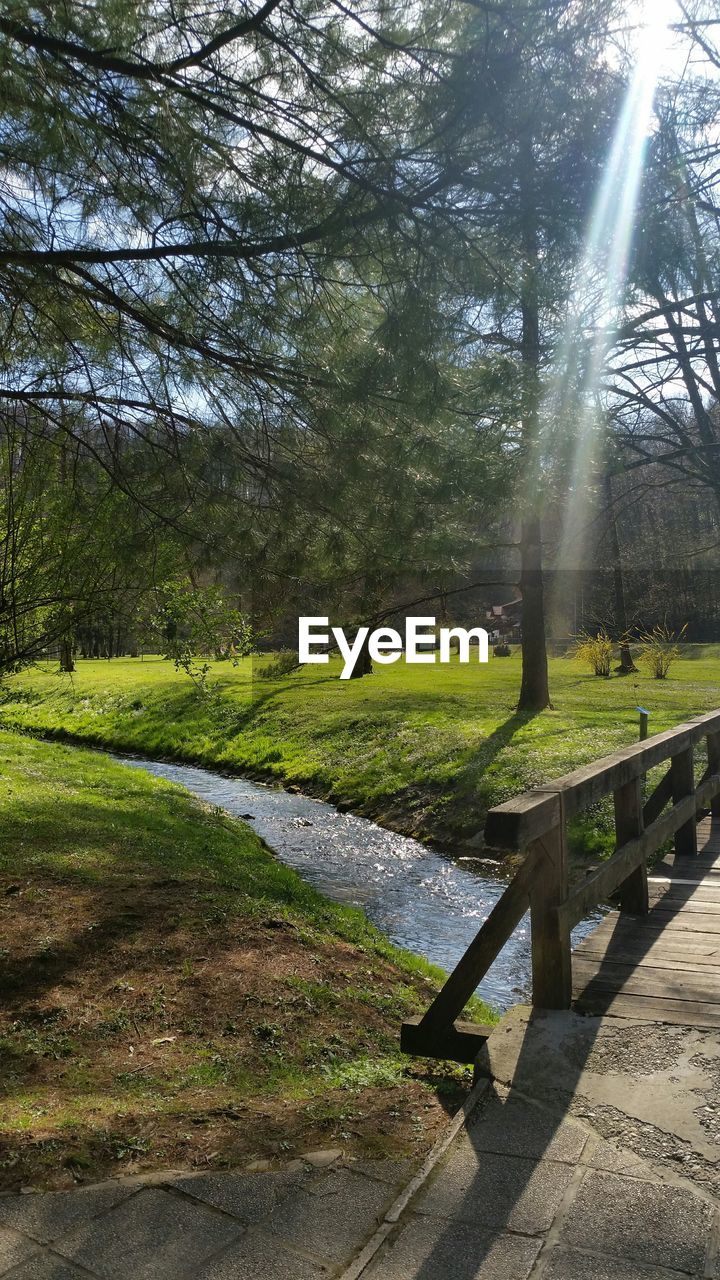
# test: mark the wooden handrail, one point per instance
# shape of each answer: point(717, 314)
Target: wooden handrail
point(535, 823)
point(505, 915)
point(515, 824)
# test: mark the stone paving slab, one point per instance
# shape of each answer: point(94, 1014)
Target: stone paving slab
point(296, 1223)
point(45, 1217)
point(336, 1212)
point(513, 1126)
point(153, 1235)
point(250, 1197)
point(396, 1173)
point(570, 1264)
point(496, 1192)
point(665, 1225)
point(577, 1158)
point(665, 1078)
point(14, 1248)
point(612, 1159)
point(532, 1187)
point(436, 1250)
point(46, 1266)
point(257, 1257)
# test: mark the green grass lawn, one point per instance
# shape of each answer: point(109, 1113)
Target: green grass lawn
point(427, 750)
point(172, 995)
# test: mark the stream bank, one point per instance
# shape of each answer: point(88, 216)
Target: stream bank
point(418, 897)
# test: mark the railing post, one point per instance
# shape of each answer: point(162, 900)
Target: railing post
point(713, 749)
point(633, 892)
point(551, 959)
point(683, 784)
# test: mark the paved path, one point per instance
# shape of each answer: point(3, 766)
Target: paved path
point(592, 1154)
point(590, 1150)
point(298, 1224)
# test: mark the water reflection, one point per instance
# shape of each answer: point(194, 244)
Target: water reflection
point(420, 899)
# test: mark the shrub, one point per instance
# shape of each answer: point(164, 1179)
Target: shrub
point(596, 651)
point(187, 621)
point(284, 662)
point(659, 649)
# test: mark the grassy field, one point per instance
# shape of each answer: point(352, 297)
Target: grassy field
point(425, 750)
point(174, 996)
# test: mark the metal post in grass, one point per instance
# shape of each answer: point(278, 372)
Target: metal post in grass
point(644, 717)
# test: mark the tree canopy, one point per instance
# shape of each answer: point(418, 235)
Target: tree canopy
point(293, 281)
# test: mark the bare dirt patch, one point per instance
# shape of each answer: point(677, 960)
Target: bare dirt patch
point(151, 1022)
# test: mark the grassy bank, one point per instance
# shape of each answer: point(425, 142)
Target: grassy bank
point(424, 749)
point(172, 995)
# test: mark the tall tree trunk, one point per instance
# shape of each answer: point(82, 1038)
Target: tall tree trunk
point(67, 662)
point(534, 689)
point(363, 666)
point(627, 666)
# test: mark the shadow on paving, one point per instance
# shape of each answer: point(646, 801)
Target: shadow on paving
point(523, 1169)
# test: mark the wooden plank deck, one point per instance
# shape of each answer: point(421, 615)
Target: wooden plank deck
point(663, 966)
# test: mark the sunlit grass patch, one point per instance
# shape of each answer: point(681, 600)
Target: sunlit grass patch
point(427, 750)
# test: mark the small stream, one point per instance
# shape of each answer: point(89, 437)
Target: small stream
point(421, 900)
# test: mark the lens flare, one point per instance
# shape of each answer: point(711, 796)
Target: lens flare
point(602, 275)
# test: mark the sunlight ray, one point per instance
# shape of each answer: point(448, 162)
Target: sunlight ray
point(601, 279)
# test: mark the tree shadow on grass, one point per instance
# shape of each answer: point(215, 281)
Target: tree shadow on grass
point(239, 718)
point(448, 810)
point(471, 778)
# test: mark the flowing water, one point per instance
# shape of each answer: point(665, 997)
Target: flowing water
point(421, 900)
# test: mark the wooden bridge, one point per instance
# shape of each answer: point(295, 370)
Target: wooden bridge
point(657, 956)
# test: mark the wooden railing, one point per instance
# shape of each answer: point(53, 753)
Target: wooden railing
point(536, 824)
